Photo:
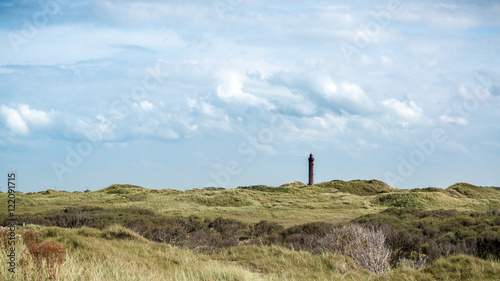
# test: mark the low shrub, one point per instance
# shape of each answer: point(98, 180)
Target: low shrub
point(228, 228)
point(31, 236)
point(314, 228)
point(50, 254)
point(365, 245)
point(265, 229)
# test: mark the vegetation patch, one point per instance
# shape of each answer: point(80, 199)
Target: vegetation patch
point(286, 188)
point(259, 187)
point(402, 200)
point(439, 233)
point(294, 184)
point(119, 232)
point(91, 216)
point(359, 187)
point(462, 267)
point(288, 264)
point(472, 191)
point(427, 189)
point(122, 189)
point(222, 199)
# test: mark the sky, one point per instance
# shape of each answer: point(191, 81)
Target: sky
point(189, 94)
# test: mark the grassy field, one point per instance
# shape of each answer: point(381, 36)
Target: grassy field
point(289, 204)
point(111, 251)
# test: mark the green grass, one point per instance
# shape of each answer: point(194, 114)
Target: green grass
point(458, 267)
point(359, 187)
point(472, 191)
point(288, 204)
point(404, 200)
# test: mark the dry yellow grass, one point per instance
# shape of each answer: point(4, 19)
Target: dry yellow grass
point(93, 255)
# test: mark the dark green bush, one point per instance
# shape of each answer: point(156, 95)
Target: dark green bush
point(314, 228)
point(265, 229)
point(438, 233)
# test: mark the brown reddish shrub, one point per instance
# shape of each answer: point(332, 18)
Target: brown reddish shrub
point(32, 236)
point(52, 253)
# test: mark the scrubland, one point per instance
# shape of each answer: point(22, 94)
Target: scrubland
point(356, 230)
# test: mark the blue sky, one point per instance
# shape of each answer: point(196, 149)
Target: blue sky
point(187, 94)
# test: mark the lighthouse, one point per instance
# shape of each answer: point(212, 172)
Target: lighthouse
point(311, 169)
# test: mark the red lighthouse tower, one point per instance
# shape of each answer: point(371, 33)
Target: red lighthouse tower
point(311, 169)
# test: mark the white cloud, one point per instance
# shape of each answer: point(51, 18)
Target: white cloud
point(329, 121)
point(354, 93)
point(346, 94)
point(35, 117)
point(326, 87)
point(453, 120)
point(208, 109)
point(21, 119)
point(230, 90)
point(408, 110)
point(206, 116)
point(14, 121)
point(146, 105)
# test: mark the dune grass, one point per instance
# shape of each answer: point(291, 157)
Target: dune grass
point(94, 255)
point(113, 252)
point(289, 204)
point(116, 253)
point(458, 267)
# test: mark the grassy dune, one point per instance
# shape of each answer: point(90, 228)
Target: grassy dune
point(117, 253)
point(114, 252)
point(290, 204)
